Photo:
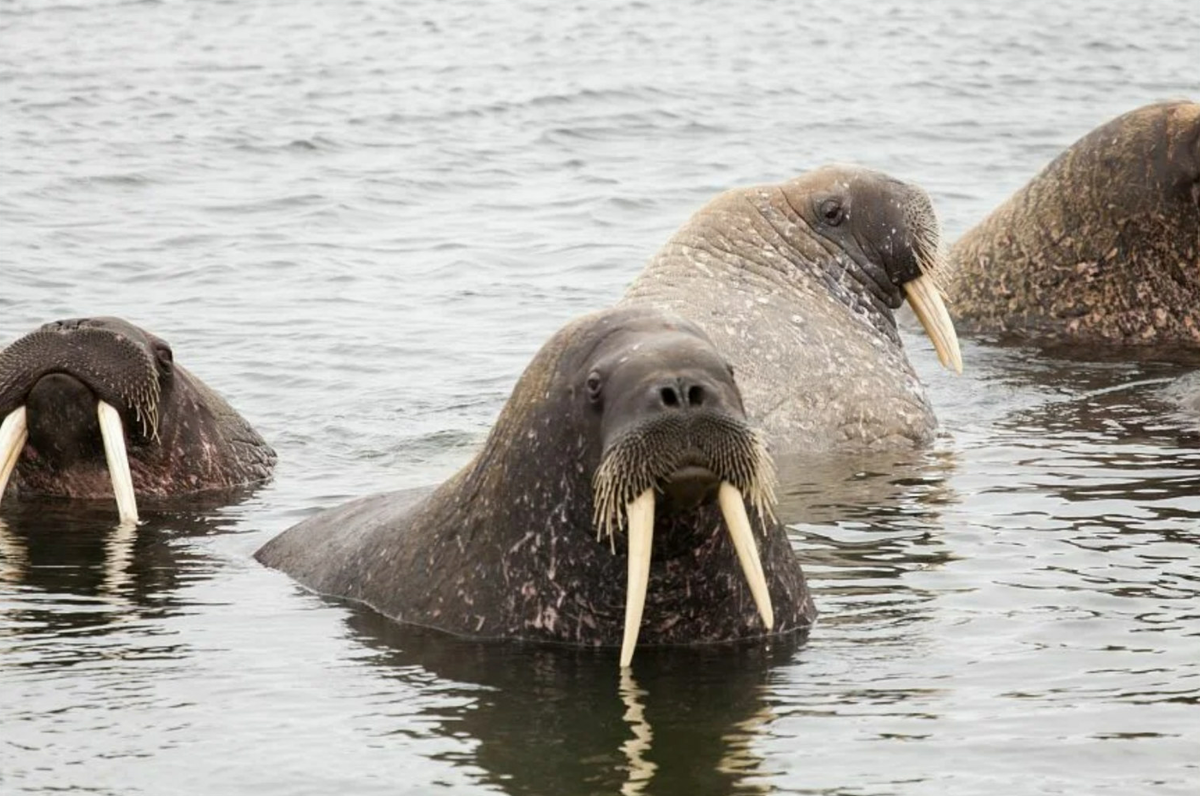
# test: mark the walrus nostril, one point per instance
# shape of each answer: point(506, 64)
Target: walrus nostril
point(682, 395)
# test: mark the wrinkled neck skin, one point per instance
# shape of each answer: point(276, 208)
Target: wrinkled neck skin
point(203, 445)
point(810, 330)
point(1103, 246)
point(507, 547)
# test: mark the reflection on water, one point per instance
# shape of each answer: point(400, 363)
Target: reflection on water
point(562, 720)
point(72, 568)
point(641, 770)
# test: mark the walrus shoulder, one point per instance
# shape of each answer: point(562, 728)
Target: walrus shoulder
point(322, 552)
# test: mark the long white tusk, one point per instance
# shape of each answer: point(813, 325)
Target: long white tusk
point(926, 301)
point(13, 433)
point(640, 513)
point(113, 433)
point(734, 511)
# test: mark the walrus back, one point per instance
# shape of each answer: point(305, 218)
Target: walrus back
point(1101, 246)
point(324, 552)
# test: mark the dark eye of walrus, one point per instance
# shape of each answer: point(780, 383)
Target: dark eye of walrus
point(594, 385)
point(832, 212)
point(165, 357)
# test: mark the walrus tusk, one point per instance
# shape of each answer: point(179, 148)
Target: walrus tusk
point(734, 511)
point(640, 513)
point(113, 433)
point(13, 433)
point(926, 301)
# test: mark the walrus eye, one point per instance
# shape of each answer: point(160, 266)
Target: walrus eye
point(165, 357)
point(594, 385)
point(832, 212)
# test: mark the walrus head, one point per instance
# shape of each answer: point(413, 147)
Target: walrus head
point(82, 399)
point(860, 237)
point(877, 241)
point(672, 423)
point(664, 448)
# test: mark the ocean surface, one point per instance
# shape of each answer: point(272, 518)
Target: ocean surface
point(359, 220)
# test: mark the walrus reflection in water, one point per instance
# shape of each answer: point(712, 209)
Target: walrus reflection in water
point(97, 408)
point(625, 418)
point(1101, 247)
point(796, 284)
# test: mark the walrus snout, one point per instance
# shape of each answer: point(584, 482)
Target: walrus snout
point(691, 484)
point(115, 360)
point(689, 454)
point(673, 424)
point(62, 422)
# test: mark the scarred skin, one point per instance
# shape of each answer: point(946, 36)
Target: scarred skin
point(801, 302)
point(1101, 247)
point(200, 443)
point(508, 546)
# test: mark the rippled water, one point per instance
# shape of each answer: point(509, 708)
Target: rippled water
point(359, 220)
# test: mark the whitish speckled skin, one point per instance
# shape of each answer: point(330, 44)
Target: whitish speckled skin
point(61, 370)
point(1101, 247)
point(507, 546)
point(800, 299)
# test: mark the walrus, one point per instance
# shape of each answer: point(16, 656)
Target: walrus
point(1101, 247)
point(94, 408)
point(796, 284)
point(627, 418)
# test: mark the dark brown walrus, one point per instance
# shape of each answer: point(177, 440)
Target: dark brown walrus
point(796, 284)
point(1103, 246)
point(625, 417)
point(96, 408)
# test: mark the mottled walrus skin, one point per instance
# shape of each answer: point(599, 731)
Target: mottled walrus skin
point(796, 284)
point(180, 436)
point(1101, 247)
point(511, 546)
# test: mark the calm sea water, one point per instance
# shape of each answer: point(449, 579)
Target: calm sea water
point(360, 219)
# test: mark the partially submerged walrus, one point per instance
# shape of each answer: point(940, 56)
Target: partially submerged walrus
point(796, 284)
point(96, 408)
point(628, 417)
point(1101, 247)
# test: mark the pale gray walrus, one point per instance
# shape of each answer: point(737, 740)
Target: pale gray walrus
point(1101, 247)
point(628, 417)
point(796, 284)
point(96, 408)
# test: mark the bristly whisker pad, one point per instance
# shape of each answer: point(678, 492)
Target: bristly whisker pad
point(641, 458)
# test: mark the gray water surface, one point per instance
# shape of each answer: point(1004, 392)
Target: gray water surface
point(359, 220)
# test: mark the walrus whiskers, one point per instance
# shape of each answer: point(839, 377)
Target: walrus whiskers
point(630, 474)
point(69, 347)
point(641, 458)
